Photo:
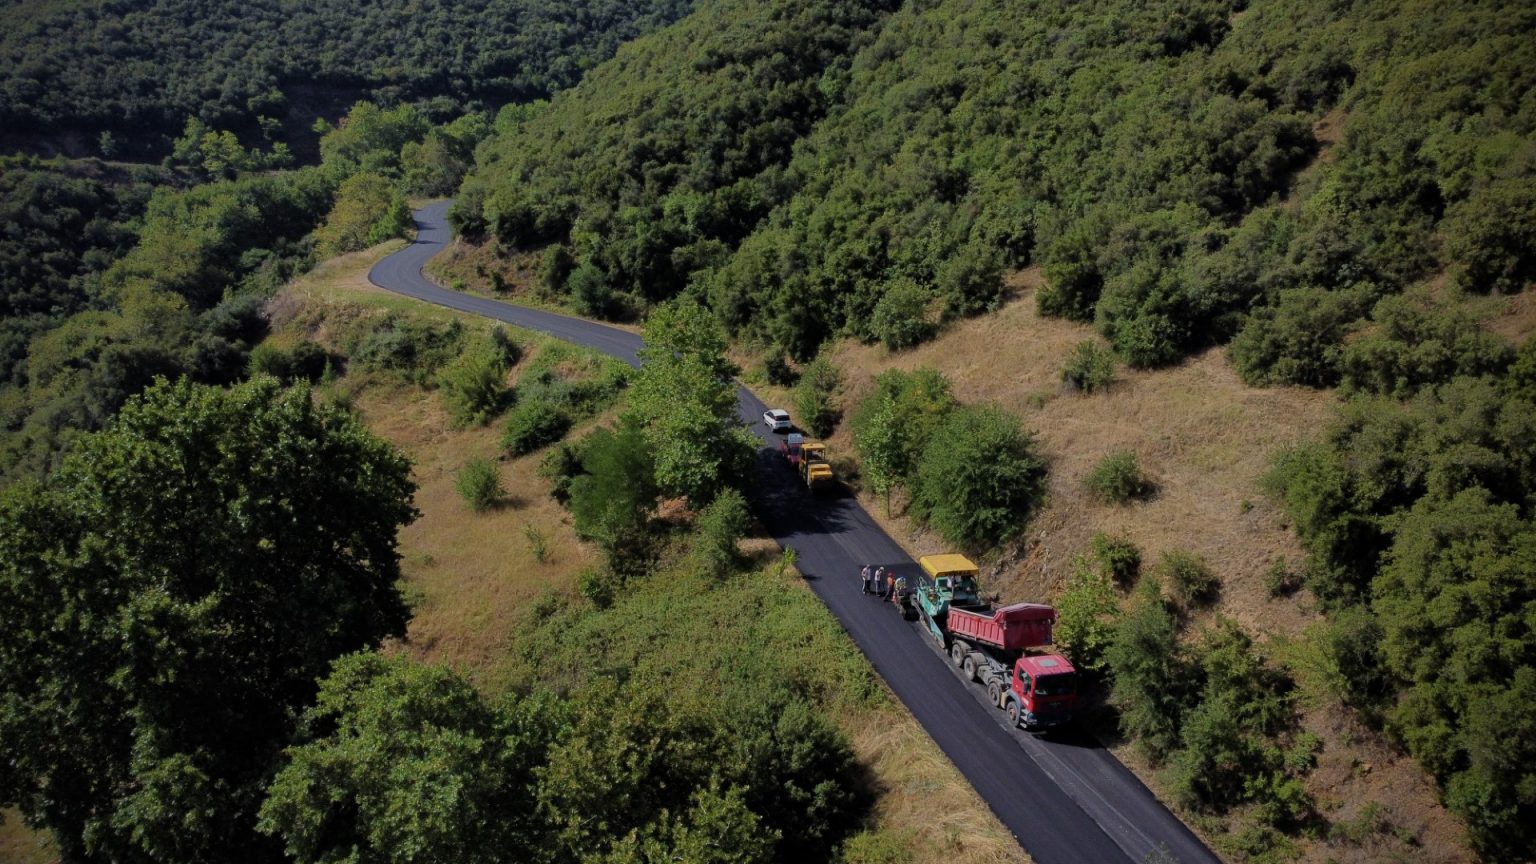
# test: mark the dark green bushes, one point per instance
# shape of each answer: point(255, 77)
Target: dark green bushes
point(412, 347)
point(1409, 510)
point(980, 479)
point(1215, 710)
point(814, 397)
point(973, 472)
point(1299, 339)
point(474, 384)
point(900, 319)
point(534, 423)
point(306, 361)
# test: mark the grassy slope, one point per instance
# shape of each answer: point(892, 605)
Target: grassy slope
point(475, 584)
point(1206, 439)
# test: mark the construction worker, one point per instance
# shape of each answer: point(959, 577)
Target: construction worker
point(899, 589)
point(880, 582)
point(890, 583)
point(865, 575)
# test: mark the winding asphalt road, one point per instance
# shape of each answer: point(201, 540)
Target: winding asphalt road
point(1065, 798)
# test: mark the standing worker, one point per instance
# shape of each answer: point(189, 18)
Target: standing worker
point(890, 583)
point(864, 575)
point(880, 582)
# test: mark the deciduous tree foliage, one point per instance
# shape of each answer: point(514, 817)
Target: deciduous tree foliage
point(404, 762)
point(981, 477)
point(172, 594)
point(685, 398)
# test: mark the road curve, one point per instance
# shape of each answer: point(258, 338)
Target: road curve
point(1066, 799)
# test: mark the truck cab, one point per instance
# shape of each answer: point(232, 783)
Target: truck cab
point(1043, 692)
point(952, 582)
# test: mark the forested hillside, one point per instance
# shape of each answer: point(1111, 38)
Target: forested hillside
point(1320, 186)
point(92, 77)
point(1146, 154)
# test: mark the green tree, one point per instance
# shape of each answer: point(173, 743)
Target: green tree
point(1148, 672)
point(475, 384)
point(814, 393)
point(402, 762)
point(981, 477)
point(1086, 610)
point(719, 530)
point(685, 397)
point(917, 402)
point(884, 450)
point(173, 593)
point(901, 318)
point(368, 210)
point(614, 495)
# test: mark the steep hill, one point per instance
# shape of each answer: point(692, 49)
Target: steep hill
point(1327, 188)
point(1138, 151)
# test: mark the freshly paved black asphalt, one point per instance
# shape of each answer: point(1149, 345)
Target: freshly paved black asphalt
point(1065, 798)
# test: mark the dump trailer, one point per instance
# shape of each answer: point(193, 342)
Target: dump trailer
point(1002, 649)
point(813, 467)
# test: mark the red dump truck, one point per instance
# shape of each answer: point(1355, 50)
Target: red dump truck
point(1001, 648)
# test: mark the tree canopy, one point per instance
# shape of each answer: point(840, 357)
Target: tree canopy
point(173, 593)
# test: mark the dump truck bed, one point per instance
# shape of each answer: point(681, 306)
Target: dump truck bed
point(1016, 627)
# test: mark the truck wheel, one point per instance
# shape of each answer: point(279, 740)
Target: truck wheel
point(968, 666)
point(957, 653)
point(1014, 713)
point(995, 693)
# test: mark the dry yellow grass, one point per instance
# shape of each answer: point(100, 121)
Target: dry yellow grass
point(1199, 432)
point(21, 845)
point(1206, 439)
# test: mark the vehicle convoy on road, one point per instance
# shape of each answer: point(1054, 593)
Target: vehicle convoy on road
point(997, 647)
point(809, 460)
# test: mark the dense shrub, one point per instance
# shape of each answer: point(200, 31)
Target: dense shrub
point(1191, 582)
point(1117, 557)
point(409, 346)
point(1085, 616)
point(980, 478)
point(474, 385)
point(901, 318)
point(533, 424)
point(814, 402)
point(479, 483)
point(893, 425)
point(1298, 340)
point(306, 361)
point(1118, 478)
point(1149, 672)
point(1418, 341)
point(719, 529)
point(368, 210)
point(1090, 369)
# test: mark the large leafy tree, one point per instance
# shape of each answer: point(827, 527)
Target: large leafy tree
point(172, 594)
point(406, 762)
point(685, 397)
point(981, 477)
